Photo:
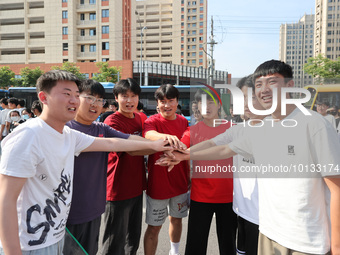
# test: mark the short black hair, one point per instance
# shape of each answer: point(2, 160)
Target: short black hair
point(115, 103)
point(49, 79)
point(140, 106)
point(36, 105)
point(22, 102)
point(13, 100)
point(4, 101)
point(246, 81)
point(166, 91)
point(94, 88)
point(125, 85)
point(272, 67)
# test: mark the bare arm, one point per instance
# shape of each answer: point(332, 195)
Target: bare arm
point(202, 146)
point(140, 152)
point(173, 140)
point(125, 145)
point(10, 188)
point(213, 153)
point(333, 184)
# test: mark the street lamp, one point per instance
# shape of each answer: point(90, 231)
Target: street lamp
point(141, 48)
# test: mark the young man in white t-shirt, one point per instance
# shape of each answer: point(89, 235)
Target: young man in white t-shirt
point(304, 166)
point(37, 169)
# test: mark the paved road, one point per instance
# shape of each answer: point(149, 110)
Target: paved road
point(164, 243)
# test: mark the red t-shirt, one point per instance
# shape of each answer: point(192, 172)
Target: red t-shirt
point(209, 187)
point(161, 183)
point(126, 177)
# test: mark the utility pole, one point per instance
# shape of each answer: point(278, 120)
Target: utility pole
point(212, 43)
point(141, 48)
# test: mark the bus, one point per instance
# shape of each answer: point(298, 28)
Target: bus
point(146, 97)
point(3, 93)
point(323, 93)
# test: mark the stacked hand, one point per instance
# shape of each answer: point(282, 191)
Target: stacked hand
point(170, 159)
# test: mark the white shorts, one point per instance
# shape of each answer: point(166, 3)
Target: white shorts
point(157, 210)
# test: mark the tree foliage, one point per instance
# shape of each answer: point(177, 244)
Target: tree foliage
point(70, 67)
point(29, 76)
point(6, 77)
point(323, 69)
point(107, 73)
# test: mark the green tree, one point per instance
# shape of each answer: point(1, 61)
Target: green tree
point(6, 76)
point(29, 76)
point(323, 69)
point(107, 73)
point(70, 67)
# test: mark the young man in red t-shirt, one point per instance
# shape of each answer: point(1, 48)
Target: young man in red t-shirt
point(166, 188)
point(126, 179)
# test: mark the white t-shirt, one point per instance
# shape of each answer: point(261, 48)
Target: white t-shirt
point(4, 114)
point(331, 119)
point(36, 151)
point(294, 207)
point(245, 200)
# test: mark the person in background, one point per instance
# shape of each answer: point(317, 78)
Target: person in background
point(113, 107)
point(4, 113)
point(36, 108)
point(322, 107)
point(140, 111)
point(16, 120)
point(334, 110)
point(21, 104)
point(27, 114)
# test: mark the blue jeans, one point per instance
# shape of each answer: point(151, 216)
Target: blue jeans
point(54, 249)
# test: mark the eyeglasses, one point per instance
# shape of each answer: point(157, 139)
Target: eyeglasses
point(94, 100)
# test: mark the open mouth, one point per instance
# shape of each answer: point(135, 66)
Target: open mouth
point(267, 99)
point(93, 111)
point(72, 109)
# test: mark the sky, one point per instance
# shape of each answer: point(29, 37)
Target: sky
point(248, 31)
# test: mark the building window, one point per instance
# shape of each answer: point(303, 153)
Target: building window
point(82, 48)
point(92, 32)
point(82, 1)
point(201, 61)
point(105, 59)
point(201, 9)
point(92, 1)
point(194, 47)
point(65, 30)
point(92, 16)
point(201, 1)
point(193, 54)
point(201, 16)
point(82, 16)
point(201, 31)
point(82, 32)
point(105, 29)
point(64, 1)
point(87, 75)
point(105, 13)
point(65, 46)
point(65, 14)
point(105, 45)
point(92, 48)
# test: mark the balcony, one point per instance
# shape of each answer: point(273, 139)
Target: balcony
point(35, 12)
point(40, 42)
point(86, 7)
point(86, 54)
point(11, 28)
point(12, 14)
point(87, 38)
point(36, 27)
point(37, 58)
point(86, 23)
point(12, 59)
point(12, 44)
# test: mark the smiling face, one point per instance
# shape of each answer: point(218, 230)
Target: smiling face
point(167, 107)
point(128, 103)
point(264, 86)
point(89, 110)
point(61, 103)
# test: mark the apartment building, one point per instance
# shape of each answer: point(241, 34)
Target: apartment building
point(55, 31)
point(170, 31)
point(296, 46)
point(327, 28)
